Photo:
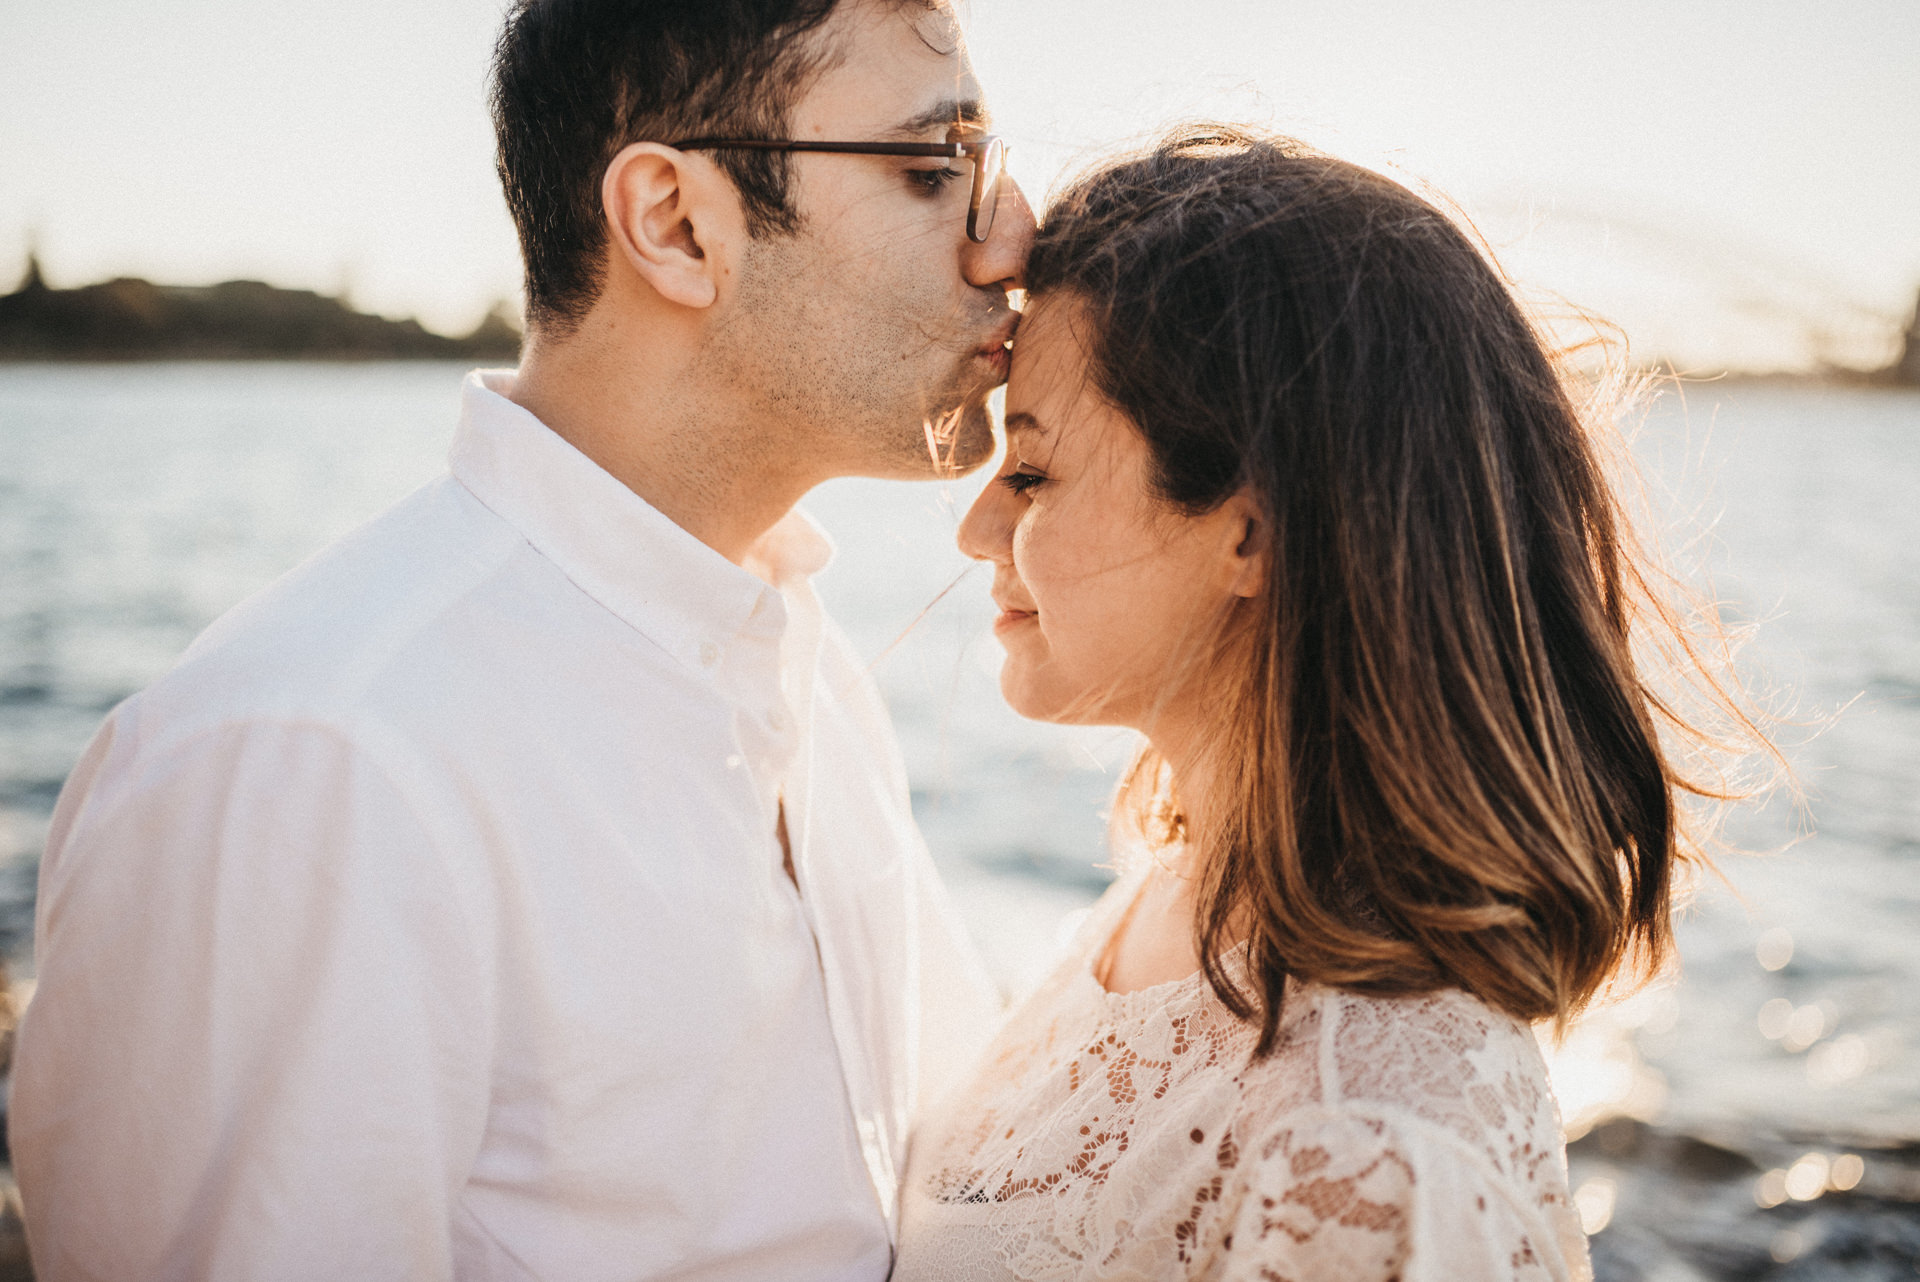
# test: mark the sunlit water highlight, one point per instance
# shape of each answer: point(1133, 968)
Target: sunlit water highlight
point(137, 503)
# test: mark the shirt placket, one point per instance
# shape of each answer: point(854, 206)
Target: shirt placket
point(831, 904)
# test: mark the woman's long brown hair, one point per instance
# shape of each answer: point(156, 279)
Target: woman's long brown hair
point(1442, 766)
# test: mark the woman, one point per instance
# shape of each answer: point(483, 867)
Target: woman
point(1292, 488)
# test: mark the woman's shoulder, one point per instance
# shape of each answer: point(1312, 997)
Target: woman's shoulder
point(1442, 1064)
point(1431, 1121)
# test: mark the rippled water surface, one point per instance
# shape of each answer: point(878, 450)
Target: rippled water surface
point(136, 503)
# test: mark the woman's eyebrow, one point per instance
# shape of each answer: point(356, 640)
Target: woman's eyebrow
point(1021, 421)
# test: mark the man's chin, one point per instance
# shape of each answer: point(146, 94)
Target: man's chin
point(959, 443)
point(973, 445)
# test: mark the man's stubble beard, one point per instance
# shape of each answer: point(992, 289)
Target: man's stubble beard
point(846, 389)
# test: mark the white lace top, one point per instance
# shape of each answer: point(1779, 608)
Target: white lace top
point(1109, 1136)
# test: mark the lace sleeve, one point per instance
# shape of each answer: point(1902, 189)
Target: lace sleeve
point(1355, 1197)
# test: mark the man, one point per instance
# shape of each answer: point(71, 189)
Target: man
point(525, 887)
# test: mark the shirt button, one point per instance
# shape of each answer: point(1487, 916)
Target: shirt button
point(709, 654)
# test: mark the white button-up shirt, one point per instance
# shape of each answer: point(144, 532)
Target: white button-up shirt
point(428, 920)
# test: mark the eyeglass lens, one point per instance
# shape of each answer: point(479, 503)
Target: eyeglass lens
point(987, 170)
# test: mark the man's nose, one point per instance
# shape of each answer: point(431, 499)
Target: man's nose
point(1002, 260)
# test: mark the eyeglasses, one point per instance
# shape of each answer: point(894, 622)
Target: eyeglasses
point(988, 154)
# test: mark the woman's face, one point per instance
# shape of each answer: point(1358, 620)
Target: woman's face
point(1111, 602)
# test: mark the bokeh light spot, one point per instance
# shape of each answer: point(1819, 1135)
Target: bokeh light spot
point(1807, 1178)
point(1848, 1170)
point(1594, 1200)
point(1839, 1061)
point(1775, 1016)
point(1774, 949)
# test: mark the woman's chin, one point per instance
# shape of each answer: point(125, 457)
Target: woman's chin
point(1036, 699)
point(1021, 693)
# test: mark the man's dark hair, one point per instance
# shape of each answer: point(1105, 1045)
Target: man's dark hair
point(575, 81)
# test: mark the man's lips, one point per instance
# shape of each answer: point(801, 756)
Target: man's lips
point(995, 350)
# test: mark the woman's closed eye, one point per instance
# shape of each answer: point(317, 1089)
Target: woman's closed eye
point(1021, 479)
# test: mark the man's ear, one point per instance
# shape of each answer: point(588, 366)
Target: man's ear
point(1252, 545)
point(671, 215)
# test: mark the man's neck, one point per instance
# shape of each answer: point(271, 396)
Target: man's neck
point(682, 447)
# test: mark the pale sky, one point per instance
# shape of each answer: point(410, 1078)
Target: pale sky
point(1732, 181)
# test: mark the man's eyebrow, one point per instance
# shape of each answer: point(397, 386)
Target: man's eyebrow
point(964, 113)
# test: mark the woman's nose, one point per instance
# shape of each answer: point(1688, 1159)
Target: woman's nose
point(986, 533)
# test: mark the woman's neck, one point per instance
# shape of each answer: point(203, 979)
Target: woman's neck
point(1154, 942)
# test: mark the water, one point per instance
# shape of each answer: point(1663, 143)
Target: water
point(1815, 537)
point(138, 502)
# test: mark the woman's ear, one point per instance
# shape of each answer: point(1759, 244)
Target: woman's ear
point(1251, 535)
point(670, 215)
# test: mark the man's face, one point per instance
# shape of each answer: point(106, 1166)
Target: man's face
point(876, 332)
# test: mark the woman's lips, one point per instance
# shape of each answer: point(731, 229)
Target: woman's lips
point(1013, 619)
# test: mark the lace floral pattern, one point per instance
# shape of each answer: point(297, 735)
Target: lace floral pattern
point(1114, 1136)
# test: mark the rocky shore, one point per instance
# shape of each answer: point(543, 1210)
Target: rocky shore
point(14, 1266)
point(1666, 1206)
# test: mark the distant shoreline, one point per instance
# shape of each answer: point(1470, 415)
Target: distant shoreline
point(129, 320)
point(1866, 381)
point(1829, 380)
point(9, 360)
point(132, 321)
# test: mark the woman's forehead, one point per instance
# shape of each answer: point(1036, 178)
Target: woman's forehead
point(1049, 359)
point(1050, 385)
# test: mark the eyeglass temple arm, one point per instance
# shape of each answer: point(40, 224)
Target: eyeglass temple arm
point(957, 150)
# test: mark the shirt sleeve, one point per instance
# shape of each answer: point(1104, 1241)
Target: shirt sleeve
point(257, 1048)
point(1363, 1200)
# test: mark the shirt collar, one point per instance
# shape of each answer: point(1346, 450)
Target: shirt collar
point(615, 546)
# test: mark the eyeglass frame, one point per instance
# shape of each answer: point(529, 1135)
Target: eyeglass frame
point(986, 191)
